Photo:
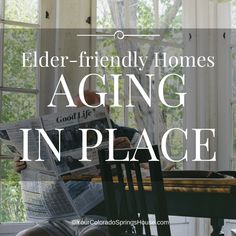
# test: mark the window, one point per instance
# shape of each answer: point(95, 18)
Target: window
point(19, 23)
point(233, 103)
point(144, 16)
point(233, 99)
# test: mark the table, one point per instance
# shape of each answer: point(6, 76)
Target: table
point(210, 198)
point(213, 198)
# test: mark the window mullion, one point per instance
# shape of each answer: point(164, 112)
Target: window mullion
point(5, 157)
point(127, 13)
point(18, 23)
point(1, 56)
point(126, 95)
point(38, 74)
point(2, 6)
point(157, 13)
point(26, 93)
point(19, 90)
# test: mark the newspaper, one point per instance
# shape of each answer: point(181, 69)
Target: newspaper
point(46, 193)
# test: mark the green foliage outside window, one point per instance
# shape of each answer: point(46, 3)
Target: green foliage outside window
point(145, 23)
point(19, 106)
point(16, 106)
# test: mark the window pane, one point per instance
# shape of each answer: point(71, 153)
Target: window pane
point(165, 13)
point(104, 16)
point(233, 164)
point(234, 71)
point(16, 42)
point(234, 106)
point(23, 10)
point(141, 14)
point(173, 118)
point(1, 8)
point(11, 206)
point(131, 118)
point(234, 129)
point(233, 13)
point(106, 46)
point(117, 115)
point(17, 106)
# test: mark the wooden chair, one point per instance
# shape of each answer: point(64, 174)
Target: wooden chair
point(125, 192)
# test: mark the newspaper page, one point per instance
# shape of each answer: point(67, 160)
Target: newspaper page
point(44, 197)
point(84, 194)
point(71, 136)
point(45, 192)
point(12, 136)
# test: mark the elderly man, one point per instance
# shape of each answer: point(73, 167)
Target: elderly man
point(124, 138)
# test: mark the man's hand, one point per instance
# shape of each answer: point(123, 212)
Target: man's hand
point(122, 142)
point(19, 165)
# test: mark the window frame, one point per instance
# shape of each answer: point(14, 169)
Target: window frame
point(224, 86)
point(188, 18)
point(41, 87)
point(201, 14)
point(5, 225)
